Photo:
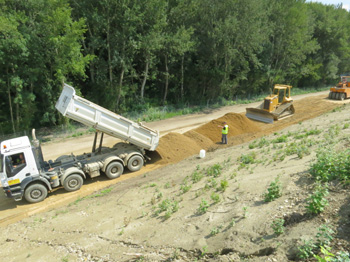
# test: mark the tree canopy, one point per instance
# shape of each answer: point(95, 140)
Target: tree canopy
point(128, 54)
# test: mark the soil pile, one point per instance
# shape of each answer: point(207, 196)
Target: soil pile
point(202, 141)
point(238, 124)
point(175, 147)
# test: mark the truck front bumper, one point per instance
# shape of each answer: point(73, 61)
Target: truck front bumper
point(14, 192)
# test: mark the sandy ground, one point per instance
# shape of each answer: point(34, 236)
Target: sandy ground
point(175, 208)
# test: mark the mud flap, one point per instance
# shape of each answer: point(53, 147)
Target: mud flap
point(259, 115)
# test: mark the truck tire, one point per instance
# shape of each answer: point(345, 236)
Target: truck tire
point(135, 163)
point(35, 193)
point(73, 182)
point(114, 170)
point(61, 157)
point(342, 96)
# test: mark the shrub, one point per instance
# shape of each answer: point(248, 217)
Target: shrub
point(324, 235)
point(317, 202)
point(329, 257)
point(167, 206)
point(307, 249)
point(223, 185)
point(277, 226)
point(185, 188)
point(281, 139)
point(214, 170)
point(274, 191)
point(331, 165)
point(247, 159)
point(203, 207)
point(212, 183)
point(215, 197)
point(196, 176)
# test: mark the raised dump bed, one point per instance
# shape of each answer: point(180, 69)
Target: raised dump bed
point(92, 115)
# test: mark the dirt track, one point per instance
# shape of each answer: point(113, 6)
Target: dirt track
point(173, 147)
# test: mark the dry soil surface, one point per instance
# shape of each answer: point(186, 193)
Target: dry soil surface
point(184, 208)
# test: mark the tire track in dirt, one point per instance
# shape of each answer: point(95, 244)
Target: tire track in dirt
point(174, 147)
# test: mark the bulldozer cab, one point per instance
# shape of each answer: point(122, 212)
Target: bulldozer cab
point(283, 93)
point(345, 80)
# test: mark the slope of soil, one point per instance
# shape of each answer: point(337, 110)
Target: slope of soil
point(174, 147)
point(135, 220)
point(162, 215)
point(238, 124)
point(307, 107)
point(201, 140)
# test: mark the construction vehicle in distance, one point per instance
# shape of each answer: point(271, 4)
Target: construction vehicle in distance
point(342, 90)
point(24, 173)
point(276, 106)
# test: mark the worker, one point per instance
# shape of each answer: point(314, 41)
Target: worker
point(224, 132)
point(19, 160)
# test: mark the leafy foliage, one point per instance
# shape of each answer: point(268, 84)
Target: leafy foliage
point(277, 226)
point(147, 56)
point(331, 165)
point(317, 202)
point(274, 191)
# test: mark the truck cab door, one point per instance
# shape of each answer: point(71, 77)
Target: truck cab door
point(18, 166)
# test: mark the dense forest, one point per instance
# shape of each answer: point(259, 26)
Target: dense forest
point(130, 54)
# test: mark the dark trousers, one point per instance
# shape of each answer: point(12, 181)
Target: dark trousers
point(224, 138)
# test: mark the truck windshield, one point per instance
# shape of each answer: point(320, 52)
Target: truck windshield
point(1, 163)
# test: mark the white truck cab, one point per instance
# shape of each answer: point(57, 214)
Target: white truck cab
point(18, 166)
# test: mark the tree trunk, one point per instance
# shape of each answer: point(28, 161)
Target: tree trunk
point(91, 66)
point(110, 69)
point(182, 77)
point(144, 79)
point(17, 116)
point(120, 87)
point(166, 79)
point(10, 105)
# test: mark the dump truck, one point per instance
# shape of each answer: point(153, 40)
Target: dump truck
point(342, 90)
point(25, 173)
point(276, 106)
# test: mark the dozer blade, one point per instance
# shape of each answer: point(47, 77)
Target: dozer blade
point(259, 115)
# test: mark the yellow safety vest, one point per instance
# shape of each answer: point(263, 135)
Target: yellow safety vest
point(225, 130)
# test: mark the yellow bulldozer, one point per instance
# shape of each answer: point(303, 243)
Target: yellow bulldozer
point(276, 106)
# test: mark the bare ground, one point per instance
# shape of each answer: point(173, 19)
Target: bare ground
point(159, 213)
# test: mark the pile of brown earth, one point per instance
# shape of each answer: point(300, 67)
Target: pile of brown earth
point(174, 147)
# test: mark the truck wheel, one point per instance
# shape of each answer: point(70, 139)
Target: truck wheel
point(330, 95)
point(61, 157)
point(114, 170)
point(35, 193)
point(135, 163)
point(73, 182)
point(342, 96)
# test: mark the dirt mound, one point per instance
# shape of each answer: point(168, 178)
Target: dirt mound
point(202, 141)
point(238, 124)
point(174, 147)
